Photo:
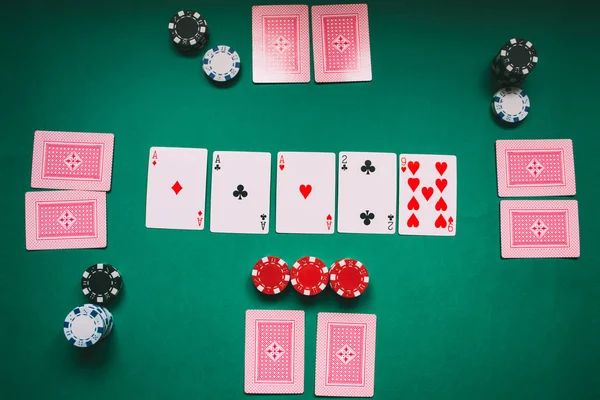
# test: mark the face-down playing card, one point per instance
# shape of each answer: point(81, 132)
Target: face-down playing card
point(65, 220)
point(341, 46)
point(535, 167)
point(72, 160)
point(539, 228)
point(427, 195)
point(345, 355)
point(240, 192)
point(176, 190)
point(280, 44)
point(274, 351)
point(305, 192)
point(367, 192)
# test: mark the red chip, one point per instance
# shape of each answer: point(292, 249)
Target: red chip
point(309, 276)
point(348, 278)
point(270, 275)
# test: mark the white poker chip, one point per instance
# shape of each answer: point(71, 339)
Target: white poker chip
point(511, 104)
point(221, 63)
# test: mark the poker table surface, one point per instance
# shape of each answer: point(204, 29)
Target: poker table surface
point(454, 320)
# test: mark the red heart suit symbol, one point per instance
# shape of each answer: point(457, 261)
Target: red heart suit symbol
point(427, 192)
point(413, 166)
point(413, 221)
point(281, 166)
point(413, 204)
point(403, 169)
point(440, 222)
point(441, 205)
point(441, 167)
point(441, 184)
point(413, 183)
point(305, 190)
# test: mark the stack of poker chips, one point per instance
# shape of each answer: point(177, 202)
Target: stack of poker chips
point(188, 31)
point(309, 276)
point(88, 324)
point(514, 62)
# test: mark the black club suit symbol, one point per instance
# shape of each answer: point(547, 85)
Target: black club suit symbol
point(368, 168)
point(240, 193)
point(263, 217)
point(217, 167)
point(367, 217)
point(344, 167)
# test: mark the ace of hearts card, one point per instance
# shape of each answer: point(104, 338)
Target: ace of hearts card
point(428, 185)
point(367, 192)
point(176, 190)
point(280, 44)
point(345, 355)
point(342, 51)
point(240, 192)
point(274, 361)
point(305, 192)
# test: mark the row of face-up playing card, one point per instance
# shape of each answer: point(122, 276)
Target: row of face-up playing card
point(74, 218)
point(281, 48)
point(537, 228)
point(345, 364)
point(306, 192)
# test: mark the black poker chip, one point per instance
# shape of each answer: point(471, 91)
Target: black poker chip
point(514, 62)
point(101, 283)
point(188, 30)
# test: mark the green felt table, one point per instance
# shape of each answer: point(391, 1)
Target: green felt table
point(455, 321)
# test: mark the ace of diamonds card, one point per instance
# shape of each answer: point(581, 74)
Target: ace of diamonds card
point(280, 44)
point(428, 186)
point(176, 188)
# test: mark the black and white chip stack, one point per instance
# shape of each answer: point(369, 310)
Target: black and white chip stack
point(514, 62)
point(188, 30)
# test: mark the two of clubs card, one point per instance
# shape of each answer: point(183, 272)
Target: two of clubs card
point(274, 359)
point(281, 48)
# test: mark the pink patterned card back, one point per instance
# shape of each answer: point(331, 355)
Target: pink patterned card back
point(72, 160)
point(341, 45)
point(535, 167)
point(274, 351)
point(280, 44)
point(539, 228)
point(345, 355)
point(65, 220)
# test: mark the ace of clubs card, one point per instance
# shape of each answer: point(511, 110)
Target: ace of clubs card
point(240, 192)
point(367, 192)
point(427, 195)
point(305, 192)
point(176, 191)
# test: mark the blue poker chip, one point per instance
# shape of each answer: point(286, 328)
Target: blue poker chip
point(106, 315)
point(221, 63)
point(83, 327)
point(511, 104)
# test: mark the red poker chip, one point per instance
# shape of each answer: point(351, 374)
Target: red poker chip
point(270, 275)
point(348, 278)
point(309, 276)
